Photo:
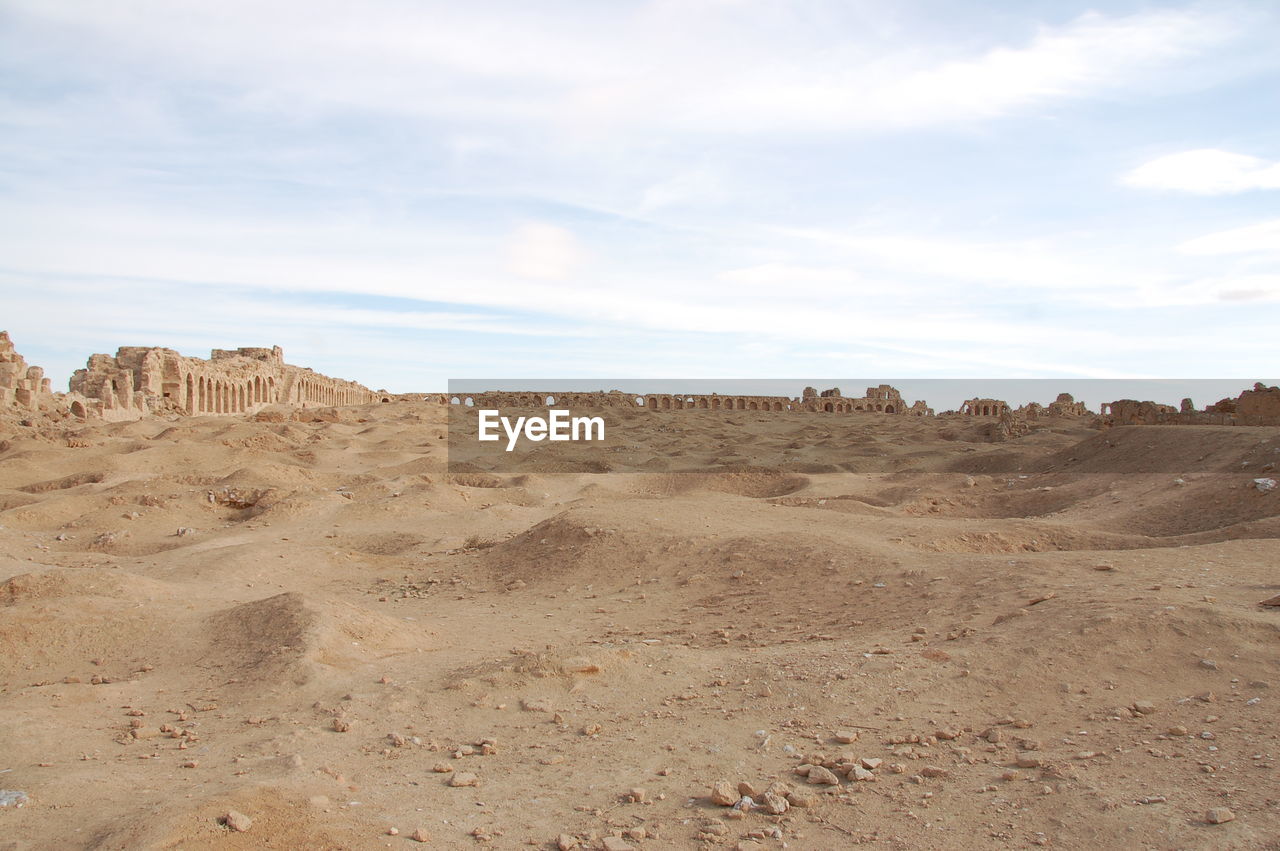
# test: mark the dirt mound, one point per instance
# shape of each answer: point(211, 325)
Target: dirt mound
point(754, 482)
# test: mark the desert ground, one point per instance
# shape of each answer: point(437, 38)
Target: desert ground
point(301, 630)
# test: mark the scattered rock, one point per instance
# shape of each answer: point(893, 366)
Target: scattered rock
point(1219, 815)
point(723, 794)
point(774, 804)
point(846, 737)
point(237, 821)
point(463, 778)
point(616, 843)
point(1144, 707)
point(934, 771)
point(820, 776)
point(566, 842)
point(420, 835)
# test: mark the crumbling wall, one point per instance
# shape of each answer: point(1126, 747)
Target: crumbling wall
point(21, 386)
point(142, 380)
point(1259, 406)
point(883, 399)
point(984, 407)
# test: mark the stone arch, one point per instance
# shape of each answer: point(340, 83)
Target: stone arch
point(828, 408)
point(753, 406)
point(190, 401)
point(639, 401)
point(728, 404)
point(386, 399)
point(888, 409)
point(665, 404)
point(653, 403)
point(455, 401)
point(551, 400)
point(469, 402)
point(715, 403)
point(702, 403)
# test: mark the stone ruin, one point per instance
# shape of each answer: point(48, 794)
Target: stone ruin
point(141, 380)
point(1259, 406)
point(883, 400)
point(21, 386)
point(984, 407)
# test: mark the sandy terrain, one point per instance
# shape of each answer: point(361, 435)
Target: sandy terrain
point(311, 623)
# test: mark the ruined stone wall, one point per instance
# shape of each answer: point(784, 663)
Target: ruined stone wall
point(883, 399)
point(984, 407)
point(21, 386)
point(1259, 406)
point(142, 380)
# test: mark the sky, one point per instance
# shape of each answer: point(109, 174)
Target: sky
point(402, 193)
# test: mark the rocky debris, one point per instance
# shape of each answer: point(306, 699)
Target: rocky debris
point(1264, 485)
point(616, 843)
point(567, 842)
point(420, 835)
point(934, 771)
point(801, 799)
point(1219, 815)
point(463, 778)
point(637, 795)
point(774, 804)
point(236, 821)
point(820, 776)
point(1144, 707)
point(341, 725)
point(1271, 601)
point(723, 794)
point(846, 737)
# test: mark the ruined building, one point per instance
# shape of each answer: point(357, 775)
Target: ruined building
point(142, 380)
point(984, 407)
point(21, 386)
point(1259, 406)
point(883, 399)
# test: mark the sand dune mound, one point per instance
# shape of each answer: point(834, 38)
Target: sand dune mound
point(1161, 449)
point(755, 482)
point(289, 639)
point(54, 622)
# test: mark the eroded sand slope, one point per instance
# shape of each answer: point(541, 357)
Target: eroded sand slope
point(312, 623)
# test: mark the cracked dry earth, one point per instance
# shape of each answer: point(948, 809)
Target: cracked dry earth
point(303, 632)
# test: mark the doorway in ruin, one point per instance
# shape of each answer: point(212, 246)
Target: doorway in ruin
point(888, 409)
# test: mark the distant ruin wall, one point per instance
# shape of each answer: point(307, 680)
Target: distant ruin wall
point(1256, 407)
point(883, 399)
point(142, 380)
point(21, 386)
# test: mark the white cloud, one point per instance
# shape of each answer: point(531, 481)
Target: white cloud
point(1207, 171)
point(545, 251)
point(1261, 238)
point(719, 68)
